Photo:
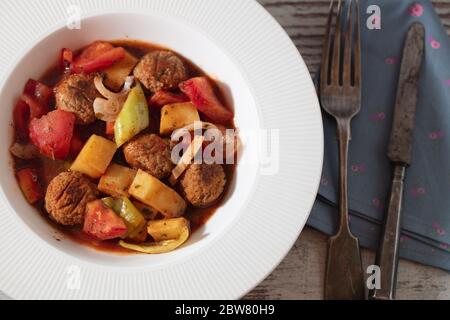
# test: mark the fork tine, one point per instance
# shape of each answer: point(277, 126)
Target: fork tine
point(357, 66)
point(326, 49)
point(348, 47)
point(336, 62)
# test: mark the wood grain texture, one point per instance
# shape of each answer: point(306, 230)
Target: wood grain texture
point(301, 274)
point(304, 21)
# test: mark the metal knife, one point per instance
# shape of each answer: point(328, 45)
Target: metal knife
point(399, 153)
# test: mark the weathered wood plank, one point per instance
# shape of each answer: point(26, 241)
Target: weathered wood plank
point(301, 274)
point(304, 21)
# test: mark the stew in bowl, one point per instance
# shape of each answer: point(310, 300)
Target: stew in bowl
point(124, 146)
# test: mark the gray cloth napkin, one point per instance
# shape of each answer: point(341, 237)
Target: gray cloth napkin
point(426, 217)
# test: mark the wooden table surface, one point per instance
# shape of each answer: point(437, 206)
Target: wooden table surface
point(301, 274)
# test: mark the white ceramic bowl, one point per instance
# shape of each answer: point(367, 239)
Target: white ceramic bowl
point(160, 31)
point(233, 251)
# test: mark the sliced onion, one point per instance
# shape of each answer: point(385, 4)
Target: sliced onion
point(98, 82)
point(162, 246)
point(108, 109)
point(157, 247)
point(186, 159)
point(24, 151)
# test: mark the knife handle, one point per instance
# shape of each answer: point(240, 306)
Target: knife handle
point(387, 256)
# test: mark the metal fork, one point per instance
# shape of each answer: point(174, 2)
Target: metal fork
point(340, 95)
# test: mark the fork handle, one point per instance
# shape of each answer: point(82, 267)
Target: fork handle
point(343, 128)
point(387, 256)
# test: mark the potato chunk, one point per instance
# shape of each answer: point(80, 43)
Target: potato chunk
point(167, 229)
point(117, 180)
point(116, 74)
point(176, 116)
point(94, 158)
point(156, 194)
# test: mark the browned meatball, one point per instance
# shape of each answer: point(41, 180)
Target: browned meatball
point(203, 184)
point(67, 196)
point(150, 153)
point(159, 70)
point(76, 93)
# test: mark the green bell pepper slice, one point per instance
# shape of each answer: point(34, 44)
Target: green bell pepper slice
point(133, 118)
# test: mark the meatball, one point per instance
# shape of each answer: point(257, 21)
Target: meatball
point(67, 196)
point(203, 184)
point(161, 70)
point(76, 93)
point(150, 153)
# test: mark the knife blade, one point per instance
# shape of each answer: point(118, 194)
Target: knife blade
point(400, 144)
point(399, 153)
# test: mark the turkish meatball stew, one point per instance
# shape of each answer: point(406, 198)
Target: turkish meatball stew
point(94, 144)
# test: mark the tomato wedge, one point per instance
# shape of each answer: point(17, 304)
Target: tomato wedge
point(201, 93)
point(34, 103)
point(28, 182)
point(162, 98)
point(94, 50)
point(52, 133)
point(102, 223)
point(101, 62)
point(37, 109)
point(21, 117)
point(97, 56)
point(39, 91)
